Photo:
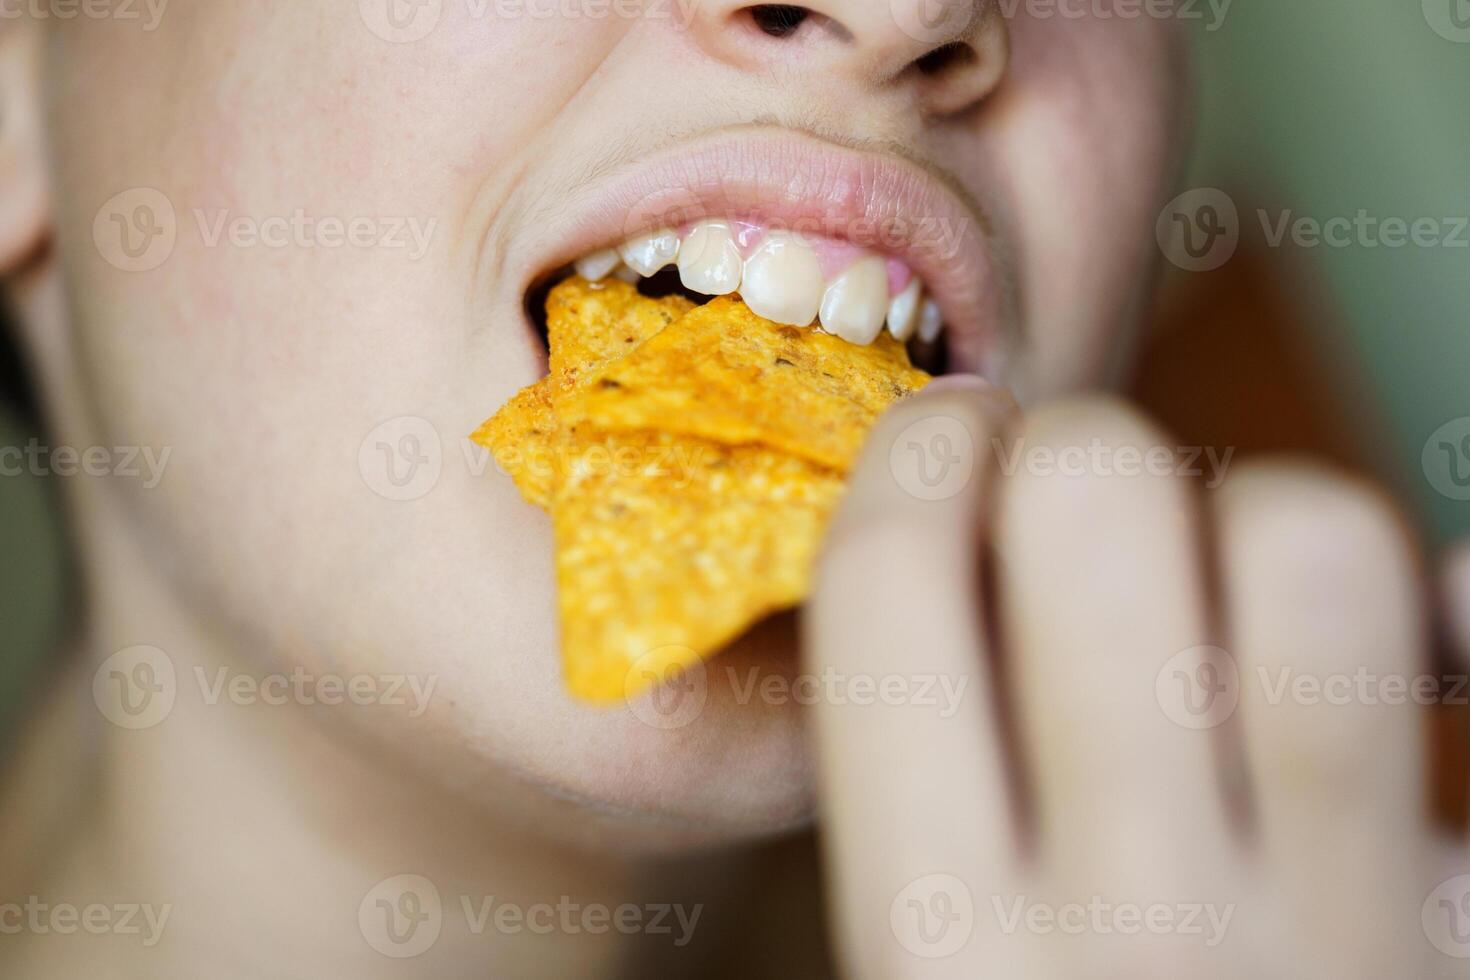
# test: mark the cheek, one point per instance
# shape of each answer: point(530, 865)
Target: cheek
point(328, 193)
point(1086, 142)
point(320, 281)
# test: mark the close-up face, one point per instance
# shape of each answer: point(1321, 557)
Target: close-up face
point(353, 210)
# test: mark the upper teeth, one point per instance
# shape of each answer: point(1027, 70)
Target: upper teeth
point(646, 254)
point(781, 280)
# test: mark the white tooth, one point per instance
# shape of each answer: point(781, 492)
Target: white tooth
point(596, 266)
point(783, 280)
point(930, 321)
point(709, 261)
point(626, 274)
point(856, 302)
point(903, 312)
point(646, 254)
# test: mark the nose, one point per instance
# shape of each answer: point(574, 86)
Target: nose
point(947, 55)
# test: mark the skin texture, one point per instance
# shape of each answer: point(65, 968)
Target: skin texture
point(266, 369)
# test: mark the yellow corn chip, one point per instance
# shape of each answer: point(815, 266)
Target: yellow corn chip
point(722, 373)
point(670, 547)
point(522, 437)
point(690, 459)
point(588, 325)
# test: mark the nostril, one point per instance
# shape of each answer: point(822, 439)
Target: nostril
point(945, 57)
point(778, 19)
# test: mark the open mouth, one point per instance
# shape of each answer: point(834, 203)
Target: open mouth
point(785, 276)
point(806, 232)
point(715, 323)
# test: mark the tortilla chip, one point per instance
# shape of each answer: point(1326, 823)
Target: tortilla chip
point(724, 374)
point(588, 325)
point(690, 459)
point(669, 547)
point(521, 437)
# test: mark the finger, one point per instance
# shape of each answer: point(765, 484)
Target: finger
point(1326, 626)
point(1102, 605)
point(912, 777)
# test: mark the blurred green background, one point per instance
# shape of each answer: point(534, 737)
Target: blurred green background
point(1328, 108)
point(1319, 106)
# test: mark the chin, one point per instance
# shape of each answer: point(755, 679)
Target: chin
point(720, 756)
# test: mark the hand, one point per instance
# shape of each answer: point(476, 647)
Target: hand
point(1168, 759)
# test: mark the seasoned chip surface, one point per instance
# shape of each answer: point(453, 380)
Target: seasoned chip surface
point(667, 543)
point(722, 373)
point(588, 325)
point(690, 458)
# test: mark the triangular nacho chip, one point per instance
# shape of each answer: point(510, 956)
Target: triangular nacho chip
point(669, 547)
point(588, 325)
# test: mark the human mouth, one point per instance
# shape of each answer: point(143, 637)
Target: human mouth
point(785, 276)
point(806, 232)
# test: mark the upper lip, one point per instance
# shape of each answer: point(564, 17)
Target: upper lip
point(786, 178)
